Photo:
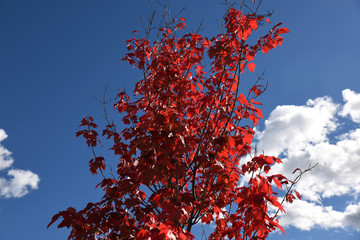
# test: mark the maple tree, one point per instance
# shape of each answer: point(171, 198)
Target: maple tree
point(181, 154)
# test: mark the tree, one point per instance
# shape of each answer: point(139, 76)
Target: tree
point(181, 154)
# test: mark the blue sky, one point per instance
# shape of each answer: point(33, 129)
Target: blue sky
point(56, 56)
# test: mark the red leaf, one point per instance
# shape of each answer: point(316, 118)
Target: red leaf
point(256, 90)
point(274, 201)
point(207, 218)
point(242, 99)
point(265, 49)
point(277, 182)
point(55, 218)
point(206, 43)
point(278, 226)
point(251, 67)
point(198, 69)
point(141, 234)
point(290, 198)
point(282, 30)
point(269, 160)
point(222, 223)
point(253, 102)
point(233, 87)
point(259, 112)
point(231, 142)
point(78, 133)
point(97, 163)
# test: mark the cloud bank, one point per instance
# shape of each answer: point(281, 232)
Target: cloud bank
point(318, 132)
point(20, 182)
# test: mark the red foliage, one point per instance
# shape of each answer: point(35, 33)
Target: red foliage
point(179, 156)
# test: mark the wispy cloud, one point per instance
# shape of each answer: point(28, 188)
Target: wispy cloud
point(20, 182)
point(309, 134)
point(5, 156)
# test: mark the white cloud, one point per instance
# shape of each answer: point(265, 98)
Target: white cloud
point(21, 181)
point(301, 135)
point(294, 127)
point(19, 184)
point(352, 105)
point(307, 215)
point(352, 216)
point(5, 156)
